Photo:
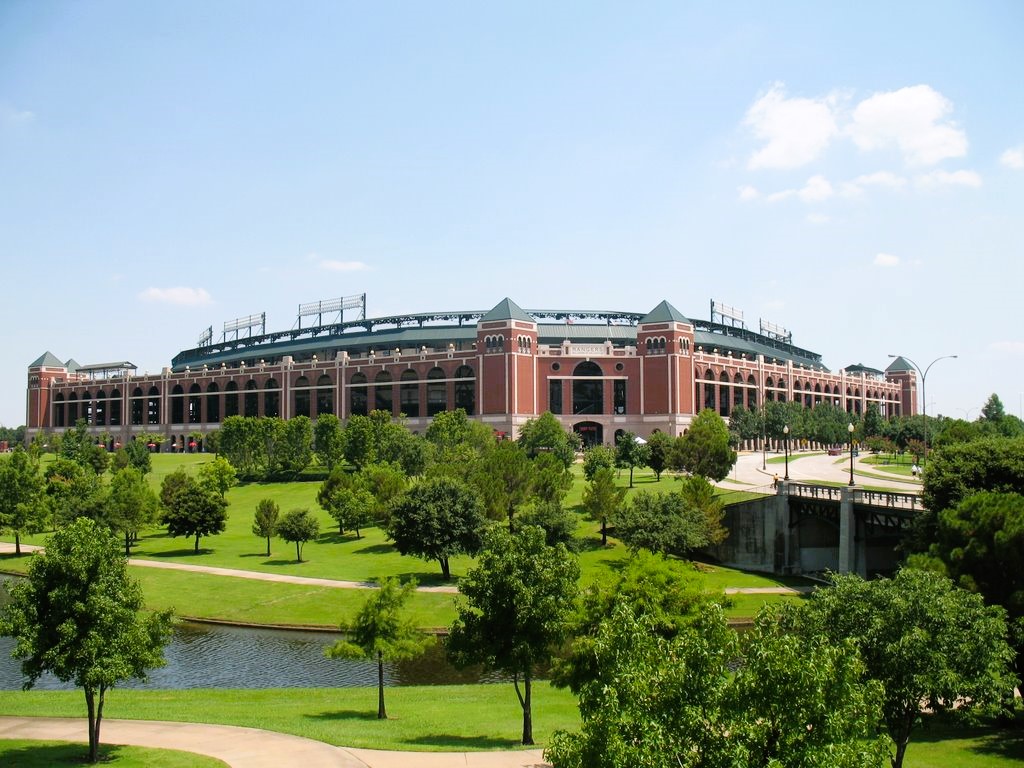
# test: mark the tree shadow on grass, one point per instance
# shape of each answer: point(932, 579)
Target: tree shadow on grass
point(344, 714)
point(455, 743)
point(1004, 742)
point(333, 537)
point(51, 754)
point(177, 553)
point(377, 549)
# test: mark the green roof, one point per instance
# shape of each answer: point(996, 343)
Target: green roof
point(899, 364)
point(507, 309)
point(664, 313)
point(47, 359)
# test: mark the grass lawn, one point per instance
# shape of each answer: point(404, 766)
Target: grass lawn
point(18, 753)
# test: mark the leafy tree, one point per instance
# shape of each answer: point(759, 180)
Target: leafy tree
point(515, 609)
point(381, 633)
point(504, 479)
point(193, 510)
point(293, 446)
point(602, 499)
point(672, 523)
point(265, 520)
point(450, 431)
point(130, 505)
point(21, 496)
point(545, 434)
point(704, 449)
point(242, 443)
point(596, 457)
point(993, 409)
point(218, 475)
point(359, 441)
point(328, 440)
point(346, 497)
point(72, 491)
point(385, 482)
point(173, 483)
point(678, 701)
point(922, 638)
point(551, 481)
point(78, 616)
point(436, 519)
point(669, 593)
point(558, 524)
point(298, 526)
point(631, 452)
point(872, 421)
point(659, 446)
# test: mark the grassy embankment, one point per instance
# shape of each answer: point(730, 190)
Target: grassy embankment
point(20, 753)
point(343, 557)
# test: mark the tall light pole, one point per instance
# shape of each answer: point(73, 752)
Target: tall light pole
point(850, 428)
point(924, 395)
point(785, 433)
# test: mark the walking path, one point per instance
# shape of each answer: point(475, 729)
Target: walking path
point(251, 747)
point(813, 467)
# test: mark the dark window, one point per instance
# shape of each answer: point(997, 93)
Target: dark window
point(302, 396)
point(114, 403)
point(252, 399)
point(177, 405)
point(195, 409)
point(619, 396)
point(437, 398)
point(465, 389)
point(409, 393)
point(555, 395)
point(230, 399)
point(135, 406)
point(213, 403)
point(271, 399)
point(357, 394)
point(153, 406)
point(383, 398)
point(72, 409)
point(324, 394)
point(59, 415)
point(587, 394)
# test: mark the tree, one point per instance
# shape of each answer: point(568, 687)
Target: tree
point(241, 443)
point(265, 520)
point(293, 446)
point(385, 482)
point(704, 450)
point(504, 479)
point(922, 638)
point(630, 451)
point(130, 505)
point(596, 457)
point(299, 526)
point(328, 440)
point(558, 524)
point(71, 492)
point(21, 496)
point(672, 523)
point(872, 421)
point(77, 616)
point(659, 445)
point(380, 632)
point(436, 519)
point(993, 409)
point(515, 609)
point(193, 510)
point(602, 500)
point(545, 434)
point(218, 475)
point(359, 442)
point(346, 497)
point(551, 480)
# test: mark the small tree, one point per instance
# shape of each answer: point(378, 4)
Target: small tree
point(21, 496)
point(265, 520)
point(659, 446)
point(193, 510)
point(517, 603)
point(218, 475)
point(545, 434)
point(436, 519)
point(704, 449)
point(299, 526)
point(631, 451)
point(78, 616)
point(381, 633)
point(130, 505)
point(328, 441)
point(596, 457)
point(345, 496)
point(602, 499)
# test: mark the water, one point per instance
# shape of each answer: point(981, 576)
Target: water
point(214, 656)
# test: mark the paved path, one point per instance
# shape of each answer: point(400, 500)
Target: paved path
point(810, 467)
point(253, 748)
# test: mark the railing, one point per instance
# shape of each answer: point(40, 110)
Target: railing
point(884, 499)
point(824, 492)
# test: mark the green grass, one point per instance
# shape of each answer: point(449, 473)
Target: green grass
point(22, 753)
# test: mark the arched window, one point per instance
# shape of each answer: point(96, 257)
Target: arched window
point(72, 409)
point(153, 406)
point(751, 392)
point(212, 402)
point(709, 389)
point(177, 405)
point(114, 404)
point(383, 398)
point(301, 397)
point(437, 397)
point(252, 399)
point(737, 391)
point(324, 394)
point(99, 411)
point(465, 388)
point(409, 393)
point(231, 399)
point(271, 399)
point(357, 394)
point(195, 407)
point(723, 394)
point(58, 411)
point(587, 388)
point(86, 411)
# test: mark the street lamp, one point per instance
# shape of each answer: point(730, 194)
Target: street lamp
point(924, 394)
point(849, 428)
point(785, 432)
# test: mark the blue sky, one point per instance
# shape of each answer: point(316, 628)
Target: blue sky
point(853, 172)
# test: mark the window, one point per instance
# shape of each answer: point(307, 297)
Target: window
point(383, 398)
point(357, 394)
point(100, 410)
point(252, 399)
point(135, 407)
point(619, 396)
point(587, 393)
point(195, 412)
point(153, 406)
point(271, 399)
point(437, 398)
point(213, 402)
point(59, 411)
point(555, 396)
point(324, 394)
point(465, 389)
point(231, 399)
point(115, 408)
point(409, 393)
point(301, 397)
point(177, 405)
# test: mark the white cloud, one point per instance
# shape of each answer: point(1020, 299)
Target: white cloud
point(776, 197)
point(881, 179)
point(332, 265)
point(947, 178)
point(914, 120)
point(1004, 348)
point(748, 193)
point(886, 260)
point(795, 131)
point(818, 218)
point(179, 295)
point(1013, 158)
point(13, 116)
point(816, 190)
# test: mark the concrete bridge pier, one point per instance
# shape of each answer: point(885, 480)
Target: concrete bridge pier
point(852, 557)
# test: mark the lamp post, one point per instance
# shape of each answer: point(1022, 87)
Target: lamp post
point(849, 428)
point(764, 441)
point(924, 394)
point(785, 433)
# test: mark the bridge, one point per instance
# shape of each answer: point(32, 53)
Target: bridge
point(806, 528)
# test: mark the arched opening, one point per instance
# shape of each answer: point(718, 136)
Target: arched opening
point(465, 389)
point(86, 409)
point(58, 411)
point(723, 394)
point(99, 411)
point(709, 389)
point(153, 406)
point(195, 404)
point(271, 399)
point(177, 405)
point(437, 398)
point(114, 404)
point(751, 392)
point(213, 403)
point(324, 394)
point(383, 397)
point(591, 433)
point(230, 399)
point(252, 399)
point(587, 393)
point(72, 409)
point(357, 394)
point(737, 391)
point(301, 397)
point(409, 393)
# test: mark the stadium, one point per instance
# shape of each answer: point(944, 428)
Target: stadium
point(601, 373)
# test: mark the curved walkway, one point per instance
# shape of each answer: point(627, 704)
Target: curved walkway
point(251, 747)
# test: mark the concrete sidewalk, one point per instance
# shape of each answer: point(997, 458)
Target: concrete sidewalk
point(253, 748)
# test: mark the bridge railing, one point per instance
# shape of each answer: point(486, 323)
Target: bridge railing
point(809, 491)
point(886, 499)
